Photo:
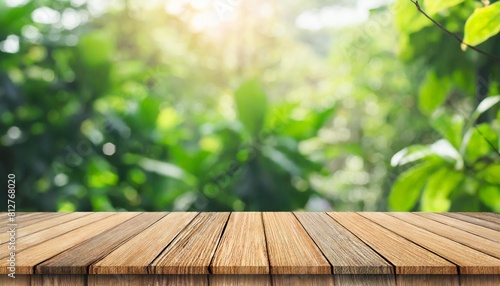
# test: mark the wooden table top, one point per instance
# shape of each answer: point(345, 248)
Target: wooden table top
point(268, 243)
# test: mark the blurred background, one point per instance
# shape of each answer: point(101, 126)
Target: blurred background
point(212, 105)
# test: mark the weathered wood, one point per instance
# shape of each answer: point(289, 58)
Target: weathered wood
point(475, 220)
point(77, 259)
point(134, 256)
point(239, 280)
point(58, 280)
point(192, 251)
point(347, 253)
point(466, 238)
point(479, 280)
point(482, 217)
point(406, 256)
point(27, 259)
point(44, 224)
point(427, 280)
point(303, 280)
point(290, 249)
point(469, 260)
point(364, 280)
point(151, 279)
point(463, 225)
point(242, 249)
point(49, 233)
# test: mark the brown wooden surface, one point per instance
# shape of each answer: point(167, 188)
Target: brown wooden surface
point(406, 256)
point(477, 220)
point(290, 249)
point(134, 256)
point(345, 252)
point(467, 226)
point(77, 259)
point(242, 249)
point(270, 248)
point(470, 261)
point(192, 251)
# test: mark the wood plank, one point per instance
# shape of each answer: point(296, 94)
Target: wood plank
point(463, 225)
point(466, 238)
point(58, 280)
point(27, 259)
point(491, 217)
point(469, 260)
point(77, 259)
point(44, 224)
point(474, 220)
point(364, 280)
point(346, 253)
point(151, 279)
point(290, 249)
point(20, 280)
point(427, 280)
point(302, 280)
point(479, 280)
point(406, 256)
point(192, 250)
point(242, 249)
point(30, 219)
point(134, 256)
point(44, 235)
point(239, 280)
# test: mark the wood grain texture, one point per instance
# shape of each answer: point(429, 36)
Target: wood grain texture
point(58, 280)
point(20, 280)
point(239, 280)
point(150, 280)
point(134, 256)
point(364, 280)
point(29, 219)
point(406, 256)
point(242, 249)
point(463, 225)
point(303, 280)
point(479, 280)
point(27, 259)
point(192, 250)
point(290, 249)
point(44, 224)
point(477, 220)
point(469, 260)
point(427, 280)
point(491, 217)
point(52, 232)
point(466, 238)
point(77, 259)
point(346, 253)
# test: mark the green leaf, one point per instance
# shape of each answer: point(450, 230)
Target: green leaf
point(281, 160)
point(477, 142)
point(434, 6)
point(408, 187)
point(433, 93)
point(410, 154)
point(484, 105)
point(168, 170)
point(408, 19)
point(449, 126)
point(491, 174)
point(490, 196)
point(483, 24)
point(435, 197)
point(251, 103)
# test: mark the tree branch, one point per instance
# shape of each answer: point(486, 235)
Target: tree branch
point(455, 36)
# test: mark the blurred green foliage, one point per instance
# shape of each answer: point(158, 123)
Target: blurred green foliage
point(131, 106)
